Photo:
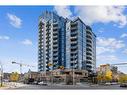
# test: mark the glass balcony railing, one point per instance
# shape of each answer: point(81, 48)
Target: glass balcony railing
point(88, 41)
point(89, 36)
point(88, 32)
point(55, 24)
point(74, 28)
point(74, 24)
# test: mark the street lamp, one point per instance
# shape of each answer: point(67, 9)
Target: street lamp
point(20, 64)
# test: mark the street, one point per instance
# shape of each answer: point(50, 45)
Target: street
point(20, 86)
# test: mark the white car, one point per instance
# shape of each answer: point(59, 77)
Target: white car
point(114, 83)
point(42, 83)
point(108, 83)
point(6, 80)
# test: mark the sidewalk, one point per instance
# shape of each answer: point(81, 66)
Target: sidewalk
point(9, 85)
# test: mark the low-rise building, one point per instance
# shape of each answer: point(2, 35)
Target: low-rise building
point(103, 69)
point(57, 76)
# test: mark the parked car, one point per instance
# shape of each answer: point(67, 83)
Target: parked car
point(6, 80)
point(35, 82)
point(107, 83)
point(42, 83)
point(114, 83)
point(123, 85)
point(29, 81)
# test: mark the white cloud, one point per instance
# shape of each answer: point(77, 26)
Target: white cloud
point(4, 37)
point(103, 59)
point(100, 31)
point(101, 50)
point(14, 20)
point(107, 58)
point(108, 45)
point(103, 14)
point(63, 11)
point(27, 42)
point(123, 35)
point(125, 51)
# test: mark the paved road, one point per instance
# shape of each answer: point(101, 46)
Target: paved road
point(68, 87)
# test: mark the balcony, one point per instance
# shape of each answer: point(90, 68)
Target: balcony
point(88, 53)
point(73, 24)
point(55, 61)
point(40, 41)
point(40, 35)
point(40, 45)
point(48, 45)
point(48, 42)
point(55, 49)
point(89, 49)
point(89, 41)
point(74, 62)
point(88, 32)
point(88, 58)
point(40, 54)
point(55, 24)
point(74, 28)
point(48, 24)
point(55, 46)
point(47, 29)
point(74, 33)
point(55, 28)
point(88, 28)
point(75, 38)
point(74, 52)
point(74, 47)
point(55, 42)
point(41, 25)
point(88, 66)
point(89, 45)
point(55, 36)
point(40, 30)
point(74, 57)
point(55, 57)
point(48, 33)
point(89, 61)
point(55, 33)
point(55, 53)
point(88, 36)
point(74, 44)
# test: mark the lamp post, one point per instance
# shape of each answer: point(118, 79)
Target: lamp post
point(20, 64)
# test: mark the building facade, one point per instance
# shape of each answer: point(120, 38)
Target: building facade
point(67, 43)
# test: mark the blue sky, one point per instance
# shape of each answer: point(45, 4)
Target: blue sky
point(19, 32)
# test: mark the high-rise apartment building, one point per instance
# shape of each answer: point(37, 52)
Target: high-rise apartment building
point(67, 43)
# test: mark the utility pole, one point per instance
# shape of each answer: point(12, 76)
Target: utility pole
point(73, 74)
point(1, 74)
